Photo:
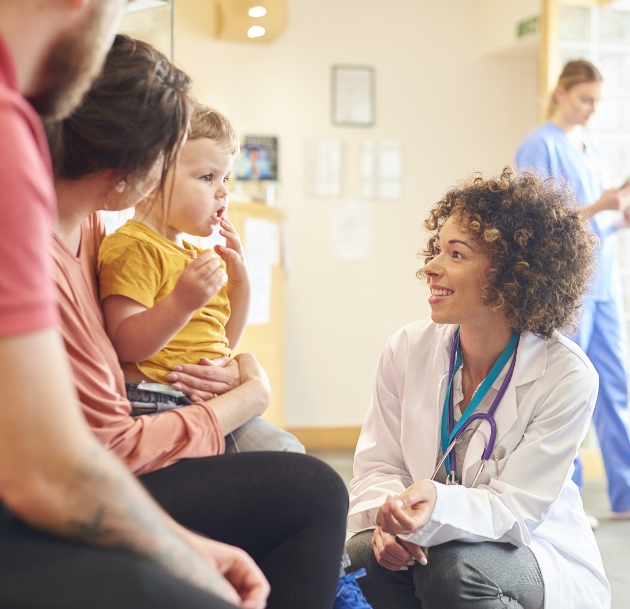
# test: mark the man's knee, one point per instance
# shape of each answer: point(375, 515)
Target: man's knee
point(259, 435)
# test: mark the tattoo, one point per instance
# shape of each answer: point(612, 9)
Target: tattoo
point(112, 510)
point(93, 529)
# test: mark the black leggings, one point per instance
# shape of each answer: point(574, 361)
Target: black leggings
point(286, 510)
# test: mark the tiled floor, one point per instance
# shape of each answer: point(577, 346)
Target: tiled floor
point(613, 536)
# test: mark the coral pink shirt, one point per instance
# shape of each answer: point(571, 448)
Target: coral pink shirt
point(144, 443)
point(27, 210)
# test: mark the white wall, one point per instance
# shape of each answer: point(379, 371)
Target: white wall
point(454, 113)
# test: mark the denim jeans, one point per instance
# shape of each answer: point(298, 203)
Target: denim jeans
point(258, 434)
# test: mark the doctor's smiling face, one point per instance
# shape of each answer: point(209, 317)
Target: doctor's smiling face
point(456, 275)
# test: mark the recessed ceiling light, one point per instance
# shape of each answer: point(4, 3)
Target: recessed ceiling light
point(256, 31)
point(257, 11)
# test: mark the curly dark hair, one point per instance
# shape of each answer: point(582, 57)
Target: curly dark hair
point(541, 250)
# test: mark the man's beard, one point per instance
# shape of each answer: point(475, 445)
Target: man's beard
point(74, 60)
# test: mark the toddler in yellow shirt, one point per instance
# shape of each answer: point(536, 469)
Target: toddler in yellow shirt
point(167, 302)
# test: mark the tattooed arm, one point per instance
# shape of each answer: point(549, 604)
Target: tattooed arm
point(55, 476)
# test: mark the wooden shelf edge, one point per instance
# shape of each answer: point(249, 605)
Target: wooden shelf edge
point(327, 438)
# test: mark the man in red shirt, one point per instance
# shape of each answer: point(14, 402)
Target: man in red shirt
point(54, 475)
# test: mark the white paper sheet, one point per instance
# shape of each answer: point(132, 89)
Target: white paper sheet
point(262, 249)
point(381, 170)
point(351, 230)
point(324, 158)
point(353, 95)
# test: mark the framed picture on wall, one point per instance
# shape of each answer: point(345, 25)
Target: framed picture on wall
point(353, 93)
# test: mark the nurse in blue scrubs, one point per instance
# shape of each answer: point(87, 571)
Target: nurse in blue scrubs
point(563, 149)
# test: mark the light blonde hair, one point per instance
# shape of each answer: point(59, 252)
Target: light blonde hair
point(574, 73)
point(206, 122)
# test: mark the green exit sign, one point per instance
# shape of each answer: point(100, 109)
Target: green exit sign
point(528, 27)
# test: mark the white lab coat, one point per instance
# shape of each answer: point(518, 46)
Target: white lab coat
point(527, 498)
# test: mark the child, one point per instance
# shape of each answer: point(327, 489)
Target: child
point(165, 300)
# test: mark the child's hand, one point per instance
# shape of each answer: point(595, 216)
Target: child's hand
point(199, 283)
point(232, 253)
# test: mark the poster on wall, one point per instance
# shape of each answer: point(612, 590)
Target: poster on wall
point(258, 159)
point(353, 92)
point(381, 170)
point(262, 247)
point(324, 162)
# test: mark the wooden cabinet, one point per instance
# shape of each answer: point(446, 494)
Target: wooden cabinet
point(266, 341)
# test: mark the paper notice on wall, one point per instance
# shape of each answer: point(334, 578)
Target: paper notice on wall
point(351, 230)
point(353, 95)
point(323, 167)
point(381, 170)
point(262, 249)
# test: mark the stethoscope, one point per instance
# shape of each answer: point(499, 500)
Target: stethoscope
point(451, 432)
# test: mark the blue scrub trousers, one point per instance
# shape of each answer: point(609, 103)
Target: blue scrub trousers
point(602, 337)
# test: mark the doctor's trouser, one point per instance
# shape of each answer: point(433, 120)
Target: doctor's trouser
point(458, 575)
point(602, 336)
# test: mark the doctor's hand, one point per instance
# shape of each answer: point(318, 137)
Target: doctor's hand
point(395, 554)
point(410, 511)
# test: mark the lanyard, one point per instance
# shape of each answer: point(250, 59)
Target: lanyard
point(448, 417)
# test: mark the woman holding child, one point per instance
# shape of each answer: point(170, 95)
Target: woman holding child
point(285, 510)
point(446, 509)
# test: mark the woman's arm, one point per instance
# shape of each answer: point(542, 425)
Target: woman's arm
point(139, 332)
point(147, 443)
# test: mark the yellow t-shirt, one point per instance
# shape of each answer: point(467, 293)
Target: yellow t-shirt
point(138, 263)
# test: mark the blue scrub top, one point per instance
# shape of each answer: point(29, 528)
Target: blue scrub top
point(548, 152)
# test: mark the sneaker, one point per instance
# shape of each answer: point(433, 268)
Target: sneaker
point(349, 595)
point(592, 521)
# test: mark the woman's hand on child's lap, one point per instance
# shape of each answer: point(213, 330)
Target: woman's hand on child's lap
point(207, 379)
point(200, 281)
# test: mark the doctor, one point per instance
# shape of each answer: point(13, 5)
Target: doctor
point(498, 522)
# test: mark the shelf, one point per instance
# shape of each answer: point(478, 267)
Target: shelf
point(142, 5)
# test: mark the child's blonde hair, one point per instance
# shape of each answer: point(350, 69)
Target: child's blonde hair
point(206, 122)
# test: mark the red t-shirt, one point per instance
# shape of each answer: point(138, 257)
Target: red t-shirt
point(28, 299)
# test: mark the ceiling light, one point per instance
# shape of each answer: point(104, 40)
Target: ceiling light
point(257, 11)
point(256, 31)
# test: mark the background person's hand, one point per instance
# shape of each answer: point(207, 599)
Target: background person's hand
point(207, 379)
point(617, 199)
point(394, 554)
point(409, 511)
